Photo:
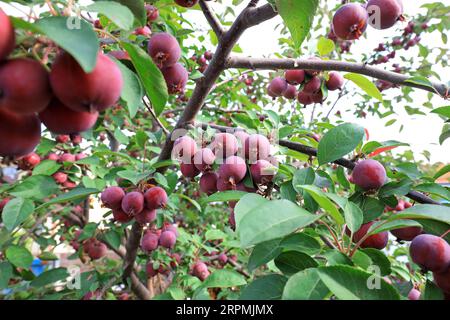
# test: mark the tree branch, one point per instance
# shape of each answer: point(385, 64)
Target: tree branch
point(212, 19)
point(360, 68)
point(132, 246)
point(413, 195)
point(249, 17)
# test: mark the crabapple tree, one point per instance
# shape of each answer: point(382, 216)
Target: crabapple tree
point(145, 147)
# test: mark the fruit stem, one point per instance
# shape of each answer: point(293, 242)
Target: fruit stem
point(445, 233)
point(333, 235)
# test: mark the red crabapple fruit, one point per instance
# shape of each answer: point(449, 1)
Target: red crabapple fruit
point(335, 81)
point(350, 21)
point(224, 145)
point(262, 171)
point(112, 197)
point(24, 86)
point(277, 87)
point(233, 169)
point(149, 241)
point(86, 92)
point(167, 239)
point(186, 3)
point(176, 77)
point(184, 149)
point(189, 170)
point(369, 175)
point(133, 203)
point(164, 49)
point(200, 270)
point(155, 198)
point(295, 77)
point(60, 119)
point(7, 36)
point(257, 147)
point(377, 241)
point(146, 216)
point(430, 252)
point(120, 216)
point(204, 159)
point(208, 183)
point(383, 14)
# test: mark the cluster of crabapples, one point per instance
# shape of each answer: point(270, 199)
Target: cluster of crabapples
point(67, 100)
point(351, 19)
point(311, 82)
point(225, 162)
point(430, 252)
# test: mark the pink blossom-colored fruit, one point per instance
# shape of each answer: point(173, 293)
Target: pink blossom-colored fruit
point(304, 98)
point(164, 49)
point(204, 159)
point(120, 216)
point(290, 93)
point(430, 252)
point(97, 250)
point(24, 86)
point(257, 147)
point(383, 14)
point(262, 171)
point(295, 77)
point(442, 280)
point(186, 3)
point(62, 120)
point(224, 145)
point(7, 36)
point(184, 149)
point(377, 241)
point(208, 183)
point(86, 92)
point(189, 170)
point(312, 85)
point(112, 197)
point(29, 161)
point(133, 203)
point(414, 294)
point(335, 81)
point(176, 77)
point(149, 241)
point(155, 198)
point(60, 177)
point(152, 13)
point(200, 270)
point(369, 175)
point(167, 239)
point(277, 87)
point(233, 169)
point(146, 216)
point(67, 157)
point(350, 21)
point(20, 134)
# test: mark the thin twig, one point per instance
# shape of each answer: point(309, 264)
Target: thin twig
point(152, 112)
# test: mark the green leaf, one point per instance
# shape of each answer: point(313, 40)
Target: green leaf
point(49, 277)
point(379, 259)
point(134, 176)
point(265, 288)
point(431, 292)
point(46, 167)
point(339, 141)
point(19, 256)
point(421, 81)
point(269, 220)
point(324, 202)
point(263, 253)
point(353, 216)
point(325, 46)
point(72, 195)
point(395, 188)
point(435, 189)
point(6, 273)
point(348, 283)
point(365, 84)
point(441, 172)
point(138, 9)
point(224, 279)
point(301, 242)
point(16, 211)
point(225, 196)
point(248, 203)
point(443, 111)
point(424, 211)
point(291, 262)
point(151, 77)
point(382, 226)
point(298, 15)
point(36, 187)
point(48, 256)
point(113, 238)
point(75, 36)
point(305, 285)
point(194, 203)
point(132, 91)
point(117, 13)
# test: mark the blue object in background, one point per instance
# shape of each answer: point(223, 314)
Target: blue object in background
point(37, 267)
